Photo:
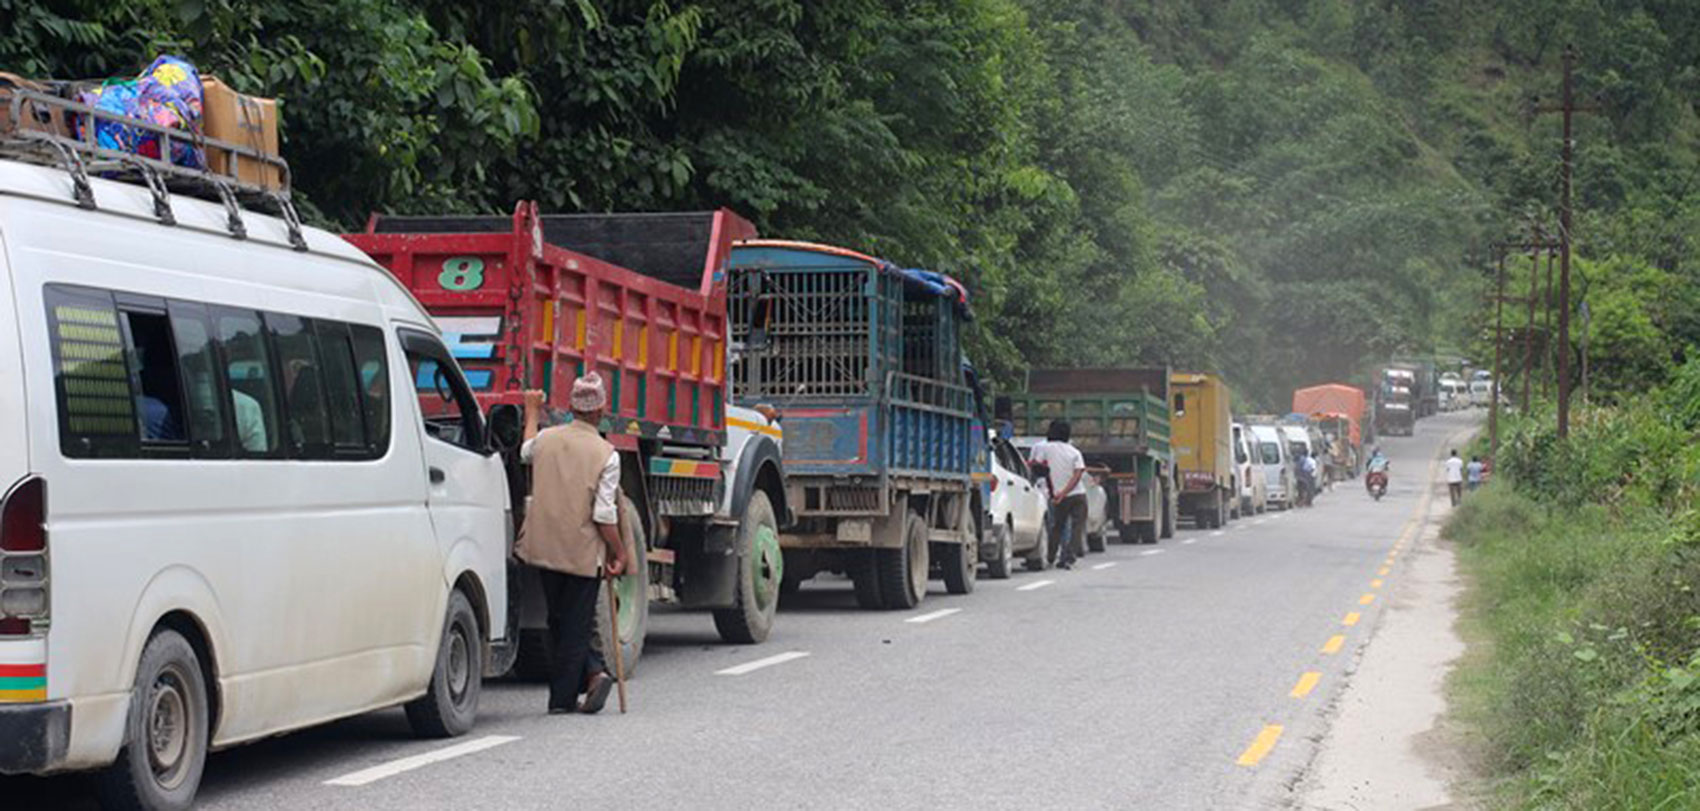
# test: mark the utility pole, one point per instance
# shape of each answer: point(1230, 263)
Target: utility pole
point(1546, 324)
point(1587, 330)
point(1498, 341)
point(1568, 107)
point(1529, 325)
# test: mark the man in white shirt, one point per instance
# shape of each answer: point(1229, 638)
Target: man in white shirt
point(1068, 485)
point(1455, 478)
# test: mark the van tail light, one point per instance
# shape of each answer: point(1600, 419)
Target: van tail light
point(994, 483)
point(23, 558)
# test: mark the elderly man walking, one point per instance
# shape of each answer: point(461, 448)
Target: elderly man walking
point(570, 528)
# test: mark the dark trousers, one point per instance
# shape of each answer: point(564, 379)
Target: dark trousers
point(572, 626)
point(1456, 490)
point(1068, 528)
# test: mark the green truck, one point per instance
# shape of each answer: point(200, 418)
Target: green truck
point(1120, 423)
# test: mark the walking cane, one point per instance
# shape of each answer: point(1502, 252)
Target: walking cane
point(614, 621)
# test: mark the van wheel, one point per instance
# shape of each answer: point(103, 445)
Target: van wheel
point(450, 704)
point(761, 569)
point(165, 733)
point(633, 591)
point(1003, 553)
point(903, 572)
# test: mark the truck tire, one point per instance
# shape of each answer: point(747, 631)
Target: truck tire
point(1002, 561)
point(633, 590)
point(161, 770)
point(1171, 509)
point(1039, 559)
point(863, 568)
point(903, 573)
point(450, 704)
point(961, 562)
point(761, 568)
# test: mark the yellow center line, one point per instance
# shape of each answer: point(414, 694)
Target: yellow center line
point(1351, 619)
point(1334, 643)
point(1260, 746)
point(1307, 683)
point(1375, 584)
point(1366, 599)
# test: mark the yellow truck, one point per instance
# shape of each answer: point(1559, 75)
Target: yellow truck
point(1201, 431)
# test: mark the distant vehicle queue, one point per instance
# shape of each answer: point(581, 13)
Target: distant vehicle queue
point(277, 475)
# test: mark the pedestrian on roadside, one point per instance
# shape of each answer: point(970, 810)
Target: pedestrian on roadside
point(1474, 472)
point(571, 527)
point(1068, 483)
point(1455, 478)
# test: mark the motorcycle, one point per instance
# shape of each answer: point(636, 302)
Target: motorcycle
point(1377, 483)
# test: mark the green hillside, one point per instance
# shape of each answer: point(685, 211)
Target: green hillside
point(1277, 190)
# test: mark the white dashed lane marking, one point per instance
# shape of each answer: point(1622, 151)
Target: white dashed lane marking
point(751, 667)
point(407, 764)
point(935, 615)
point(1037, 584)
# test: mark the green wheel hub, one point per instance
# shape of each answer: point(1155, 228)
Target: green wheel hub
point(767, 566)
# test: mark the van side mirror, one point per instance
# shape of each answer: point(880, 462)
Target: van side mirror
point(506, 427)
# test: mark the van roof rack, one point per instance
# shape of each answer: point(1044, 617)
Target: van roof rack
point(27, 140)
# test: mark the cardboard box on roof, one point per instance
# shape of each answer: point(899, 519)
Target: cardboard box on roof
point(245, 121)
point(31, 116)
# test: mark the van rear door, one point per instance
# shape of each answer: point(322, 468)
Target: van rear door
point(14, 434)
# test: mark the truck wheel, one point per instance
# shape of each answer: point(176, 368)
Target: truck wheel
point(633, 591)
point(998, 567)
point(1039, 559)
point(761, 568)
point(864, 572)
point(165, 733)
point(961, 566)
point(903, 573)
point(450, 704)
point(1170, 509)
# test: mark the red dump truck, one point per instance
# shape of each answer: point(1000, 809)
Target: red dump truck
point(532, 301)
point(1339, 411)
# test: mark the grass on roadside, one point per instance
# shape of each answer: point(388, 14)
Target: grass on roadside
point(1585, 683)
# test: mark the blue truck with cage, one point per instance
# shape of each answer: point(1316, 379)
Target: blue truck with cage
point(885, 448)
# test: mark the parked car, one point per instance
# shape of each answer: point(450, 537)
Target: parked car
point(1271, 450)
point(1018, 510)
point(1253, 495)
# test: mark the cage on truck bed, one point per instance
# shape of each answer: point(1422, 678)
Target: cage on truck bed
point(885, 446)
point(1119, 419)
point(530, 301)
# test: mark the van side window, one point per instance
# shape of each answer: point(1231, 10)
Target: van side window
point(372, 364)
point(97, 410)
point(248, 369)
point(446, 404)
point(342, 387)
point(153, 369)
point(307, 425)
point(204, 408)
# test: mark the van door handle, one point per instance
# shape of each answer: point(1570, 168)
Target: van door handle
point(437, 476)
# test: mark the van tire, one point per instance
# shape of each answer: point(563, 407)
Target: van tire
point(169, 685)
point(1039, 559)
point(450, 704)
point(761, 570)
point(634, 596)
point(903, 572)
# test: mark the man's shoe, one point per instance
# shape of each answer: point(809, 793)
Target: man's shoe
point(561, 710)
point(1065, 565)
point(596, 695)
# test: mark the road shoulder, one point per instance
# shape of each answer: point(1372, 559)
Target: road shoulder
point(1390, 743)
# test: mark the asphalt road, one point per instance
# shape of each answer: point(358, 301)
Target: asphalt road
point(1169, 676)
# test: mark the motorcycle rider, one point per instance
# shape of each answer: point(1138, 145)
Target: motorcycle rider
point(1377, 464)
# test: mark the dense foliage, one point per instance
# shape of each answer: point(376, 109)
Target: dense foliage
point(1282, 190)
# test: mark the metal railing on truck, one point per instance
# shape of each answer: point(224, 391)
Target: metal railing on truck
point(36, 132)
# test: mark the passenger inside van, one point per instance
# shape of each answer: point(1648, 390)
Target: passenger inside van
point(161, 402)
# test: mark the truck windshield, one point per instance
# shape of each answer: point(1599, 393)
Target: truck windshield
point(1270, 452)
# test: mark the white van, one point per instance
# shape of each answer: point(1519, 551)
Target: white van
point(1252, 495)
point(1270, 451)
point(224, 516)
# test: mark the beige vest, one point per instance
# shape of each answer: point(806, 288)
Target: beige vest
point(559, 533)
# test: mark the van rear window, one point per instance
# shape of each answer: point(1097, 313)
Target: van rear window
point(97, 415)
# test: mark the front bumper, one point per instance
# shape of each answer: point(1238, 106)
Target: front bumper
point(34, 737)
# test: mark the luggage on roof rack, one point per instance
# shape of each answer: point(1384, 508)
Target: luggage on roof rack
point(24, 138)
